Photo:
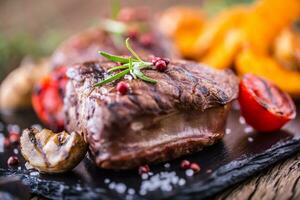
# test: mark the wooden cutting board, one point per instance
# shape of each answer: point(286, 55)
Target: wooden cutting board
point(241, 153)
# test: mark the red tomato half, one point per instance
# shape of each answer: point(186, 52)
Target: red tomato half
point(263, 105)
point(47, 98)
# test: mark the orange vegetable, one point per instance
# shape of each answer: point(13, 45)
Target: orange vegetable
point(224, 53)
point(266, 19)
point(183, 25)
point(265, 66)
point(216, 29)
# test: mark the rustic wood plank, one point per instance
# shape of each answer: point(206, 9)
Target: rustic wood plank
point(278, 183)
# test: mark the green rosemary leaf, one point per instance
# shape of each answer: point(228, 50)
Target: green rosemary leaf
point(129, 65)
point(114, 58)
point(112, 78)
point(142, 76)
point(147, 79)
point(125, 66)
point(132, 51)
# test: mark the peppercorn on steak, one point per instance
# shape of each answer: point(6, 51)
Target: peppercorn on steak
point(183, 112)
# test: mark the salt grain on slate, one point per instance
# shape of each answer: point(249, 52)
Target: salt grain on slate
point(131, 191)
point(167, 165)
point(189, 172)
point(250, 139)
point(165, 181)
point(248, 129)
point(35, 173)
point(78, 187)
point(120, 188)
point(16, 151)
point(144, 176)
point(181, 182)
point(242, 120)
point(112, 185)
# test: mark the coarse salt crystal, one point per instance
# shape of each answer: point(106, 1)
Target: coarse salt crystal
point(242, 120)
point(16, 151)
point(181, 182)
point(248, 129)
point(189, 172)
point(35, 173)
point(120, 188)
point(144, 176)
point(131, 191)
point(167, 165)
point(112, 185)
point(250, 139)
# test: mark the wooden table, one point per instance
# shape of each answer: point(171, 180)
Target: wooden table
point(280, 182)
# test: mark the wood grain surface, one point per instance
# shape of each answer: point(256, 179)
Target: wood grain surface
point(280, 182)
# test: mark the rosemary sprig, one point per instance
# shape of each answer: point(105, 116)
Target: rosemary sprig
point(129, 65)
point(131, 50)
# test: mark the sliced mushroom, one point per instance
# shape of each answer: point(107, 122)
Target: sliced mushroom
point(51, 152)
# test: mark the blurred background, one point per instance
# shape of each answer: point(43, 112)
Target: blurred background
point(35, 27)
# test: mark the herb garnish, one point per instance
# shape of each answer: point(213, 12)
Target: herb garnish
point(129, 65)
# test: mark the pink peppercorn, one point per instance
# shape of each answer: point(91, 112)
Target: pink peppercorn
point(122, 87)
point(13, 160)
point(195, 167)
point(154, 59)
point(185, 164)
point(144, 169)
point(161, 65)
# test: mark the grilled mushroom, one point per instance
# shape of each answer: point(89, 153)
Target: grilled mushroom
point(51, 152)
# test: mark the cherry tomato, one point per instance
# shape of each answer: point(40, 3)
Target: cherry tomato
point(47, 98)
point(263, 105)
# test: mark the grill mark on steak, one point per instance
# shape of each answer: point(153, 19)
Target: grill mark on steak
point(107, 119)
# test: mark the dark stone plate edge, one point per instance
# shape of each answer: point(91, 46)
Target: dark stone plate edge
point(237, 171)
point(222, 178)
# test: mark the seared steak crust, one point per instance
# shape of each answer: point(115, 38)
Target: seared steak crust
point(116, 126)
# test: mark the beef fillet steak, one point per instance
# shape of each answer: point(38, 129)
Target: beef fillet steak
point(183, 112)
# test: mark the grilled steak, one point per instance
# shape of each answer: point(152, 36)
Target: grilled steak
point(180, 114)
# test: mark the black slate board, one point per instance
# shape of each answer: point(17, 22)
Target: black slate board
point(228, 162)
